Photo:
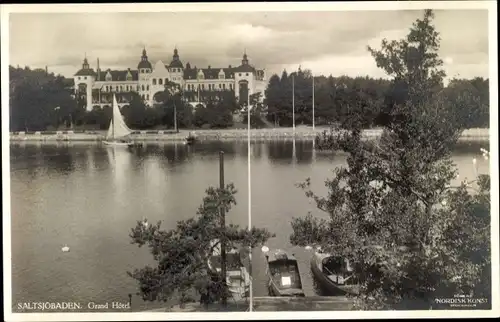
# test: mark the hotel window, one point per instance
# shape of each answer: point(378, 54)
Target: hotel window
point(224, 86)
point(154, 81)
point(160, 81)
point(147, 97)
point(239, 74)
point(147, 87)
point(142, 87)
point(79, 77)
point(166, 80)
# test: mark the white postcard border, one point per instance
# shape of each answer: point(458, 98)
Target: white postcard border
point(232, 7)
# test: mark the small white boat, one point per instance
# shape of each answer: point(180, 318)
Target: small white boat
point(118, 129)
point(65, 249)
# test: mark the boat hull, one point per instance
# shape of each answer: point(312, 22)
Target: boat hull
point(238, 280)
point(326, 284)
point(113, 143)
point(282, 266)
point(190, 140)
point(274, 290)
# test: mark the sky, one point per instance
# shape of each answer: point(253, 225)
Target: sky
point(333, 42)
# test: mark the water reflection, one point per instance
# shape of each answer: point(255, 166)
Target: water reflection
point(119, 160)
point(39, 159)
point(293, 152)
point(90, 195)
point(313, 155)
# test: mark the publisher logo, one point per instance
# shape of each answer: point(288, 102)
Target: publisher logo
point(462, 301)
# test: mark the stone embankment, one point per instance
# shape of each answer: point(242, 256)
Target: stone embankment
point(300, 133)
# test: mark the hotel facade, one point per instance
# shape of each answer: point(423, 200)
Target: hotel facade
point(197, 84)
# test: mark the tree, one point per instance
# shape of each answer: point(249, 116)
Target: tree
point(137, 114)
point(256, 112)
point(272, 100)
point(100, 116)
point(39, 99)
point(386, 209)
point(336, 98)
point(216, 114)
point(476, 113)
point(182, 253)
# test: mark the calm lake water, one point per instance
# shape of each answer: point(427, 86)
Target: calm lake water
point(88, 196)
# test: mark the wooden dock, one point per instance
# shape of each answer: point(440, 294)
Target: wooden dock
point(272, 304)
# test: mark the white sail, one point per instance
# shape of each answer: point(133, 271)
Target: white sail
point(117, 127)
point(110, 130)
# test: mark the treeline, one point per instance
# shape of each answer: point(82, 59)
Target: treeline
point(41, 100)
point(338, 100)
point(44, 101)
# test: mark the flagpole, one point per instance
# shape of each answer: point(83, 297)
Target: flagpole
point(249, 205)
point(293, 103)
point(313, 101)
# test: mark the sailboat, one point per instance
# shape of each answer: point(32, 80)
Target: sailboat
point(118, 129)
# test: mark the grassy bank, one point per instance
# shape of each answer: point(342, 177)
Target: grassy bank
point(470, 135)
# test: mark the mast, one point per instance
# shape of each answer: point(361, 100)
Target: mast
point(313, 101)
point(249, 175)
point(293, 102)
point(113, 118)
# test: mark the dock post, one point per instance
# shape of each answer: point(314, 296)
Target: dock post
point(223, 226)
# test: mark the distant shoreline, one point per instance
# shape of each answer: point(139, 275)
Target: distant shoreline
point(301, 133)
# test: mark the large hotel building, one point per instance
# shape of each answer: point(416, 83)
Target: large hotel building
point(147, 80)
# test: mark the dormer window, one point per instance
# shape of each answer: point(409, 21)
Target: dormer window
point(108, 77)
